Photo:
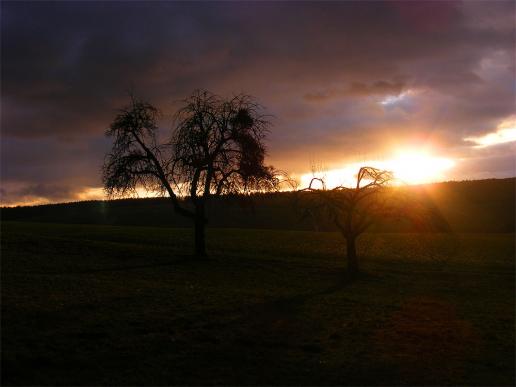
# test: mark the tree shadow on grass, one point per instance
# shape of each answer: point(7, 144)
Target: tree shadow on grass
point(176, 260)
point(278, 341)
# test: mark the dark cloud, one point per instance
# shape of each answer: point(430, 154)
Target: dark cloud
point(325, 70)
point(359, 89)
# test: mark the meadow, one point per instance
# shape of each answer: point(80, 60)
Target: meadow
point(122, 305)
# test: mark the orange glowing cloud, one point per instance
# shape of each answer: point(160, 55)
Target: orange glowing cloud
point(505, 132)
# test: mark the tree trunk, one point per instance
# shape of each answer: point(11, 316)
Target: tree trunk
point(352, 254)
point(200, 225)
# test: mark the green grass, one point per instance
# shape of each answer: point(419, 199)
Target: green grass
point(103, 305)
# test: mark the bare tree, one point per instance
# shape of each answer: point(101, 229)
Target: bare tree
point(352, 210)
point(216, 147)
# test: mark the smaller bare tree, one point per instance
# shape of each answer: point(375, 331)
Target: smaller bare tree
point(352, 210)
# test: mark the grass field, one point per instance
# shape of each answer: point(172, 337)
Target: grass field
point(104, 305)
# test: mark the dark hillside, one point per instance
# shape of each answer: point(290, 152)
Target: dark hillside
point(475, 206)
point(468, 206)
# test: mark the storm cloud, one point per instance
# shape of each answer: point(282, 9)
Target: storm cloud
point(342, 79)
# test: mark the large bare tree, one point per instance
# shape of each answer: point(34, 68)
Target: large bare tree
point(353, 210)
point(216, 147)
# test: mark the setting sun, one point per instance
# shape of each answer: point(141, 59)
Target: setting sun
point(418, 167)
point(408, 167)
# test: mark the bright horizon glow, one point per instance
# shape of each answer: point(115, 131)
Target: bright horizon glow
point(90, 193)
point(408, 167)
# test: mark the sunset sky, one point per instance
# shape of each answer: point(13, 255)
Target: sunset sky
point(426, 89)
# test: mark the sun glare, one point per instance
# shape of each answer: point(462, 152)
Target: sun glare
point(418, 167)
point(408, 167)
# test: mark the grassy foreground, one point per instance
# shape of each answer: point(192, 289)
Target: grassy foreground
point(105, 305)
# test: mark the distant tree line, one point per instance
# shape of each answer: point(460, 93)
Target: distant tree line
point(482, 206)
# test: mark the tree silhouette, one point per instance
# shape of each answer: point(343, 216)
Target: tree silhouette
point(353, 210)
point(216, 147)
